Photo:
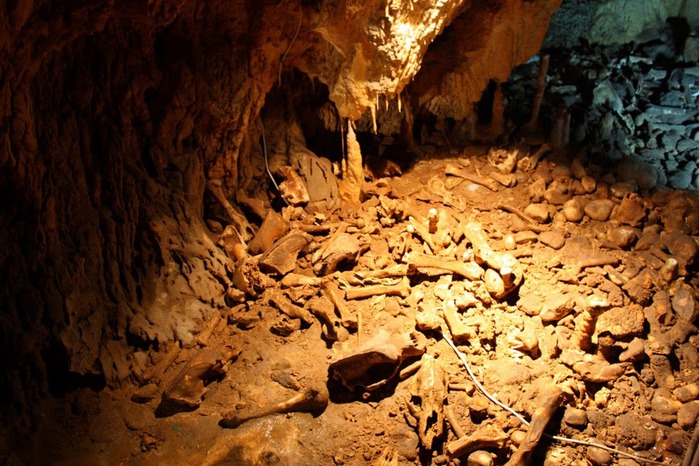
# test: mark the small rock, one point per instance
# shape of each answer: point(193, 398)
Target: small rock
point(683, 303)
point(146, 393)
point(589, 184)
point(687, 393)
point(622, 322)
point(599, 209)
point(687, 415)
point(621, 189)
point(538, 212)
point(573, 210)
point(633, 352)
point(556, 306)
point(664, 407)
point(525, 237)
point(575, 417)
point(598, 456)
point(623, 237)
point(682, 247)
point(649, 238)
point(645, 175)
point(631, 211)
point(636, 431)
point(552, 239)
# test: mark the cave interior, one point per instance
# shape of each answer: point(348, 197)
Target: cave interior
point(316, 232)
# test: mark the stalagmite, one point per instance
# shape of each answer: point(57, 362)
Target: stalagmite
point(353, 173)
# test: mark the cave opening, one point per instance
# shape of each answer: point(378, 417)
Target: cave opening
point(320, 232)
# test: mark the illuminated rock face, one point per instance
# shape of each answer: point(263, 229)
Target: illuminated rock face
point(115, 115)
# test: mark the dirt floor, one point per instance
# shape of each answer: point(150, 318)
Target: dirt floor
point(571, 295)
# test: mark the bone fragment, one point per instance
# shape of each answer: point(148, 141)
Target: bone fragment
point(508, 180)
point(548, 402)
point(486, 182)
point(331, 291)
point(459, 331)
point(471, 270)
point(324, 310)
point(530, 162)
point(430, 387)
point(357, 278)
point(289, 308)
point(424, 233)
point(485, 437)
point(453, 422)
point(401, 289)
point(309, 400)
point(294, 279)
point(531, 223)
point(389, 457)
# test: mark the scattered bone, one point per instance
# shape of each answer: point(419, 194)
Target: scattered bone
point(532, 223)
point(324, 310)
point(469, 270)
point(429, 392)
point(481, 458)
point(460, 332)
point(247, 278)
point(281, 257)
point(402, 289)
point(502, 159)
point(389, 457)
point(586, 320)
point(424, 233)
point(309, 400)
point(374, 363)
point(343, 249)
point(331, 291)
point(188, 388)
point(547, 402)
point(362, 276)
point(293, 189)
point(290, 309)
point(451, 419)
point(231, 242)
point(489, 183)
point(294, 279)
point(273, 227)
point(530, 162)
point(487, 436)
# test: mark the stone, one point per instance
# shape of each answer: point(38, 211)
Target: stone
point(530, 304)
point(664, 407)
point(577, 169)
point(686, 393)
point(684, 303)
point(575, 417)
point(525, 237)
point(682, 247)
point(598, 456)
point(623, 237)
point(538, 212)
point(635, 431)
point(556, 306)
point(687, 415)
point(686, 145)
point(622, 322)
point(599, 209)
point(631, 211)
point(671, 115)
point(605, 93)
point(621, 189)
point(573, 210)
point(553, 239)
point(589, 184)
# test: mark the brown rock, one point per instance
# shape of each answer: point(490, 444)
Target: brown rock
point(664, 407)
point(539, 212)
point(556, 306)
point(552, 239)
point(684, 304)
point(623, 237)
point(687, 415)
point(682, 247)
point(599, 209)
point(598, 456)
point(631, 211)
point(573, 210)
point(575, 417)
point(687, 393)
point(589, 184)
point(635, 431)
point(622, 322)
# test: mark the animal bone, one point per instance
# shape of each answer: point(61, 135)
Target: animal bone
point(280, 258)
point(486, 436)
point(460, 332)
point(374, 363)
point(486, 182)
point(294, 279)
point(309, 400)
point(190, 385)
point(508, 180)
point(401, 289)
point(531, 223)
point(548, 402)
point(530, 162)
point(430, 388)
point(331, 291)
point(289, 308)
point(324, 310)
point(472, 271)
point(418, 227)
point(357, 278)
point(239, 222)
point(502, 159)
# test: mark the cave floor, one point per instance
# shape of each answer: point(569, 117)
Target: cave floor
point(601, 319)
